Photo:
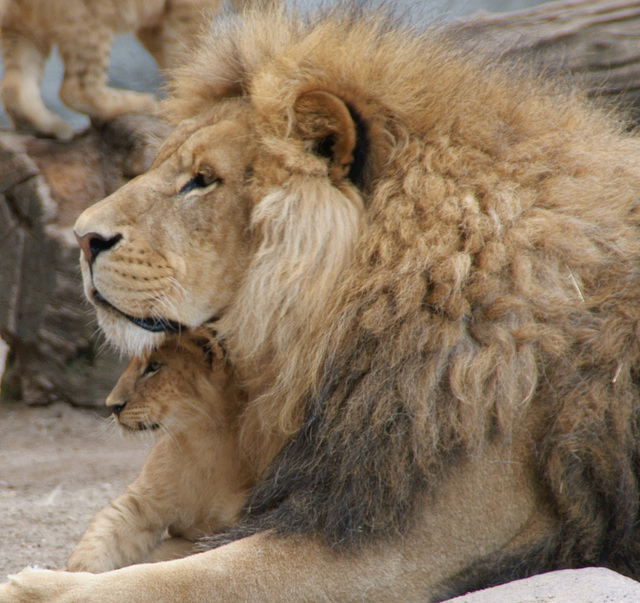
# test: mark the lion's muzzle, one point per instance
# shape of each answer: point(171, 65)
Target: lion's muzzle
point(93, 244)
point(155, 325)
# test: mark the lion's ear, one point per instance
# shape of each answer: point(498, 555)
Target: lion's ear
point(325, 121)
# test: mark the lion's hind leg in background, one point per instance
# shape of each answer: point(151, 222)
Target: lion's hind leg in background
point(23, 64)
point(85, 86)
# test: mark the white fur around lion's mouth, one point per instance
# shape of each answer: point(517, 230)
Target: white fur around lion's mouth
point(155, 325)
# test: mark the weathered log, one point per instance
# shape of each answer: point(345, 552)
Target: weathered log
point(55, 350)
point(595, 42)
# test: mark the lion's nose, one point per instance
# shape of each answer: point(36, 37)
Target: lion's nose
point(92, 244)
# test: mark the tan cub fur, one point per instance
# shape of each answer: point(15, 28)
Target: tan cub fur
point(194, 481)
point(83, 31)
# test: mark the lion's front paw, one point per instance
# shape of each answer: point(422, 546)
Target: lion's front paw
point(35, 586)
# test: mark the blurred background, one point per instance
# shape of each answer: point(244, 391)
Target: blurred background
point(133, 68)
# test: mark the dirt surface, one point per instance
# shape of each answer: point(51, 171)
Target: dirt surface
point(58, 466)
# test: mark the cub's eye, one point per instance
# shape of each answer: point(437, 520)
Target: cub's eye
point(152, 367)
point(200, 180)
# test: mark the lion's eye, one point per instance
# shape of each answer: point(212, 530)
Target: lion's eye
point(200, 180)
point(152, 367)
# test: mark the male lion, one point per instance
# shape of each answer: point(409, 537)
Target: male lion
point(425, 268)
point(83, 31)
point(194, 482)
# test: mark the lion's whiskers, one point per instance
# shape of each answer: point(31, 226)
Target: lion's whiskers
point(166, 303)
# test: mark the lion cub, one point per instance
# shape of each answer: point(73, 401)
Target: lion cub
point(83, 30)
point(194, 482)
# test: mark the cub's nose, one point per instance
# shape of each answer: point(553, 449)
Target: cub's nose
point(92, 244)
point(116, 409)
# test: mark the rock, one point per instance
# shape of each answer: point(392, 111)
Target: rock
point(587, 585)
point(55, 352)
point(4, 350)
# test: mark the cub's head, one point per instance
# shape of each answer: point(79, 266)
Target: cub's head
point(182, 381)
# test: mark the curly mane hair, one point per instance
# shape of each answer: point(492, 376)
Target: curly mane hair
point(479, 265)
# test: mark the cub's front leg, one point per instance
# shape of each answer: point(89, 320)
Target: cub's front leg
point(23, 62)
point(119, 535)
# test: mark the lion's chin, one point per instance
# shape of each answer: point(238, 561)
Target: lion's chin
point(128, 333)
point(128, 337)
point(155, 325)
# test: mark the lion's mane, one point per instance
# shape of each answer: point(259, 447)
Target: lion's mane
point(491, 272)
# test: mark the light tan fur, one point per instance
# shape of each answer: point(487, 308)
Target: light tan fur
point(194, 481)
point(424, 267)
point(83, 31)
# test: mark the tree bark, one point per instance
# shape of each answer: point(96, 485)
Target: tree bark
point(55, 351)
point(595, 42)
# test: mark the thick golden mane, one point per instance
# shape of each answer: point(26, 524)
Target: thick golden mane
point(480, 267)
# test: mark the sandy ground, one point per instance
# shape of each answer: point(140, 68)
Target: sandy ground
point(58, 466)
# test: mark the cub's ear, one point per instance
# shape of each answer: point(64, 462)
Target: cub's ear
point(207, 342)
point(325, 121)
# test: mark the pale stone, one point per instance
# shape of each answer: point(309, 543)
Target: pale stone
point(587, 585)
point(4, 351)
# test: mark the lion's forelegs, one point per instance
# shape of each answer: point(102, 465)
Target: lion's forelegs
point(486, 505)
point(120, 534)
point(259, 568)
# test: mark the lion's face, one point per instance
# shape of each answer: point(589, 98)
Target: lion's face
point(167, 250)
point(170, 387)
point(223, 215)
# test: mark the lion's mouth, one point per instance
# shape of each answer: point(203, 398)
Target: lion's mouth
point(151, 427)
point(139, 426)
point(155, 325)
